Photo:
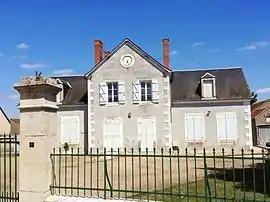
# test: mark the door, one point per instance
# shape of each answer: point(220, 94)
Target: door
point(147, 133)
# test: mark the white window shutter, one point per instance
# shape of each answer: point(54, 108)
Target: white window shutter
point(103, 93)
point(70, 129)
point(121, 92)
point(198, 128)
point(208, 88)
point(231, 126)
point(189, 128)
point(113, 133)
point(221, 126)
point(155, 91)
point(136, 92)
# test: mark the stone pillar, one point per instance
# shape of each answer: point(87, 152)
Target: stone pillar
point(38, 129)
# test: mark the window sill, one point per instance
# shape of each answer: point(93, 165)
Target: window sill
point(209, 98)
point(232, 141)
point(195, 141)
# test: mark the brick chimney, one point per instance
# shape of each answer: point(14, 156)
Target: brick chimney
point(106, 53)
point(166, 53)
point(98, 50)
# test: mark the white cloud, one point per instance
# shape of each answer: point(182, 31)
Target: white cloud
point(174, 52)
point(258, 44)
point(14, 97)
point(19, 57)
point(23, 46)
point(263, 91)
point(198, 44)
point(33, 66)
point(216, 50)
point(63, 72)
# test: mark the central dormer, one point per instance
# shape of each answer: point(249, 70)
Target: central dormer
point(208, 86)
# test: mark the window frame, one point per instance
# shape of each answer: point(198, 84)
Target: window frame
point(146, 88)
point(112, 90)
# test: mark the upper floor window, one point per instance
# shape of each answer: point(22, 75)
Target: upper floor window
point(146, 90)
point(112, 91)
point(208, 86)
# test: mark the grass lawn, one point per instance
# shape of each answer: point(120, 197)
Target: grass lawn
point(233, 192)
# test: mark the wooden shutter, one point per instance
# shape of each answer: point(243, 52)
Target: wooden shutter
point(189, 128)
point(113, 133)
point(198, 125)
point(121, 92)
point(136, 92)
point(70, 129)
point(155, 91)
point(103, 93)
point(208, 88)
point(231, 126)
point(221, 126)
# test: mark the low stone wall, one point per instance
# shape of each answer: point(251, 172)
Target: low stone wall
point(55, 198)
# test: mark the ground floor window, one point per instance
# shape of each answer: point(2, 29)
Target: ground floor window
point(70, 129)
point(194, 127)
point(226, 126)
point(113, 133)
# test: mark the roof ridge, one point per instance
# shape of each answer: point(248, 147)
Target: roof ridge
point(205, 69)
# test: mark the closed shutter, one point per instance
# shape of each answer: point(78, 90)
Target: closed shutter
point(198, 128)
point(136, 92)
point(155, 91)
point(231, 126)
point(208, 88)
point(103, 93)
point(113, 133)
point(189, 127)
point(194, 127)
point(226, 126)
point(121, 92)
point(221, 126)
point(70, 130)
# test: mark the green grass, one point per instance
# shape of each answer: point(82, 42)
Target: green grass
point(223, 191)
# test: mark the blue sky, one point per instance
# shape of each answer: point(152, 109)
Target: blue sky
point(56, 37)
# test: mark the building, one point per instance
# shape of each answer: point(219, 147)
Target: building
point(130, 100)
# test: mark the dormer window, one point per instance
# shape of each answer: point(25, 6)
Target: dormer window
point(208, 86)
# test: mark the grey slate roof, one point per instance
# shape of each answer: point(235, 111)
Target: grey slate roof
point(77, 94)
point(230, 84)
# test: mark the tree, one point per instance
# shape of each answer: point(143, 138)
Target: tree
point(254, 98)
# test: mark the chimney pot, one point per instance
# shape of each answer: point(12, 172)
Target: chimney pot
point(166, 53)
point(106, 53)
point(98, 45)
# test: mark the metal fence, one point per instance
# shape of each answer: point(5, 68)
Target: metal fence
point(9, 168)
point(163, 175)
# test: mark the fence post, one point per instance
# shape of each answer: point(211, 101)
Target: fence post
point(38, 124)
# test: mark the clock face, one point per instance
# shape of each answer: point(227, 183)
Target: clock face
point(127, 60)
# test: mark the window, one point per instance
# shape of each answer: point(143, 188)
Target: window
point(70, 129)
point(208, 88)
point(112, 92)
point(146, 90)
point(194, 127)
point(226, 126)
point(113, 133)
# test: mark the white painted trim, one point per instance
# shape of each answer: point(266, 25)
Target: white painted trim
point(203, 127)
point(89, 114)
point(249, 134)
point(213, 88)
point(236, 132)
point(38, 106)
point(79, 129)
point(207, 73)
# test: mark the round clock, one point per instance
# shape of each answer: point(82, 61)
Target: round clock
point(127, 60)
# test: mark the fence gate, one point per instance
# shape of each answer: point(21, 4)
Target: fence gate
point(9, 153)
point(263, 135)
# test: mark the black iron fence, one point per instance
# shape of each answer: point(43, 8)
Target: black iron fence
point(163, 175)
point(9, 152)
